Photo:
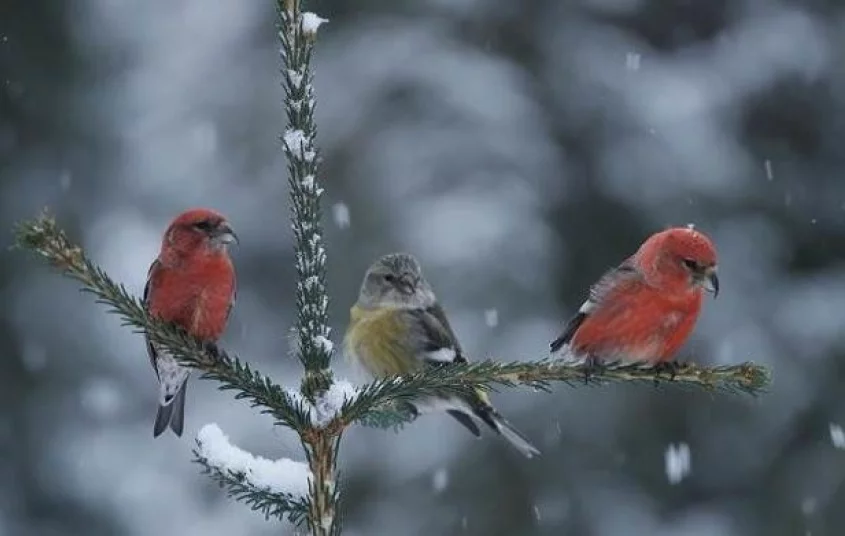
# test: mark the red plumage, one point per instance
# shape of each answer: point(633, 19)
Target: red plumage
point(645, 309)
point(191, 284)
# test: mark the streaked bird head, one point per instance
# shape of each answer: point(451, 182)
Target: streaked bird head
point(199, 228)
point(395, 280)
point(683, 254)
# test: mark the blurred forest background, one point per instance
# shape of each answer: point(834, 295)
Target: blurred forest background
point(519, 149)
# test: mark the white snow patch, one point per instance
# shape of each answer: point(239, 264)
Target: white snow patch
point(297, 142)
point(678, 462)
point(325, 343)
point(440, 480)
point(491, 318)
point(311, 22)
point(329, 403)
point(278, 476)
point(341, 215)
point(837, 436)
point(295, 78)
point(300, 146)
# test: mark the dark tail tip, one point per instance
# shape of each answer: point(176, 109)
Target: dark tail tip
point(465, 420)
point(162, 419)
point(557, 344)
point(177, 419)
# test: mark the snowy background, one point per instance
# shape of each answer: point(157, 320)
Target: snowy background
point(518, 149)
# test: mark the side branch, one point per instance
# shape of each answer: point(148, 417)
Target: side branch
point(391, 394)
point(46, 239)
point(272, 487)
point(278, 505)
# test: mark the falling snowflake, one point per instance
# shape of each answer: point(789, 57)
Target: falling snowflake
point(769, 173)
point(808, 506)
point(837, 436)
point(491, 318)
point(632, 61)
point(341, 215)
point(677, 462)
point(65, 180)
point(440, 480)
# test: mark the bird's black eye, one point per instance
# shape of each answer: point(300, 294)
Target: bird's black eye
point(690, 264)
point(390, 278)
point(204, 226)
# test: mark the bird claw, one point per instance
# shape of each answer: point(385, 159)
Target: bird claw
point(670, 367)
point(593, 366)
point(211, 349)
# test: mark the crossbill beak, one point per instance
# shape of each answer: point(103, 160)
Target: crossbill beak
point(225, 234)
point(710, 281)
point(406, 284)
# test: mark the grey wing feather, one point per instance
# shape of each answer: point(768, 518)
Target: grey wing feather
point(234, 297)
point(598, 292)
point(434, 335)
point(151, 350)
point(610, 279)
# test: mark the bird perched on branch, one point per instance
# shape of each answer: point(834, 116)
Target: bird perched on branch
point(646, 308)
point(397, 327)
point(191, 284)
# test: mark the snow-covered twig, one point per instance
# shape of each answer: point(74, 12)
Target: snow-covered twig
point(273, 487)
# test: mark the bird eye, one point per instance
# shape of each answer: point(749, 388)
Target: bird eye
point(390, 278)
point(204, 226)
point(690, 264)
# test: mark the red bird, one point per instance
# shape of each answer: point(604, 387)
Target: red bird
point(646, 308)
point(191, 284)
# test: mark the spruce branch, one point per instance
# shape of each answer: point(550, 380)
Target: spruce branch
point(297, 33)
point(389, 396)
point(44, 238)
point(269, 503)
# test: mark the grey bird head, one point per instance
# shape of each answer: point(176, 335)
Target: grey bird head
point(395, 280)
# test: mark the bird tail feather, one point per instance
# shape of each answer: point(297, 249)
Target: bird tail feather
point(487, 413)
point(171, 412)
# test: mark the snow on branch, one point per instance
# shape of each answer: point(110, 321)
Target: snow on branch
point(278, 476)
point(328, 404)
point(274, 487)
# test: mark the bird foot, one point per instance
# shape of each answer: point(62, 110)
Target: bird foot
point(669, 367)
point(593, 366)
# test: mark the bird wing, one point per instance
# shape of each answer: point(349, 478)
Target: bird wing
point(151, 275)
point(233, 299)
point(598, 292)
point(437, 346)
point(435, 341)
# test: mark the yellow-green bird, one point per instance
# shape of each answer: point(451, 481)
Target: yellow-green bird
point(397, 327)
